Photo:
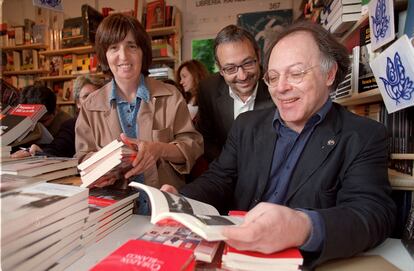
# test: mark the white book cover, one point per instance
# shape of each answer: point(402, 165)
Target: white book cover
point(28, 205)
point(381, 22)
point(394, 72)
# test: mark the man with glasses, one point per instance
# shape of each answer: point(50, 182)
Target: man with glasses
point(311, 174)
point(237, 88)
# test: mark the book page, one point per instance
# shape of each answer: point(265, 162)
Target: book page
point(162, 202)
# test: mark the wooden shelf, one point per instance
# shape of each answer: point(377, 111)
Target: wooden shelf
point(164, 59)
point(25, 72)
point(402, 156)
point(25, 46)
point(73, 50)
point(369, 96)
point(66, 77)
point(162, 31)
point(400, 181)
point(357, 25)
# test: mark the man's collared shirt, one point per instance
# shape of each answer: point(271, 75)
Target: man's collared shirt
point(239, 105)
point(288, 149)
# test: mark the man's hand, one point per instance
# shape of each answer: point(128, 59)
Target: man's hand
point(25, 153)
point(148, 154)
point(169, 188)
point(269, 228)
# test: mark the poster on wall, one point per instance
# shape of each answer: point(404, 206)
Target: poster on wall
point(55, 5)
point(394, 72)
point(381, 22)
point(203, 51)
point(265, 25)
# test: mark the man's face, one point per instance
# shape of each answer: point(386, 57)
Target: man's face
point(231, 54)
point(297, 56)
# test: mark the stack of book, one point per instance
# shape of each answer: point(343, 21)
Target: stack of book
point(172, 233)
point(112, 161)
point(161, 48)
point(108, 209)
point(41, 223)
point(19, 121)
point(47, 168)
point(143, 255)
point(161, 73)
point(344, 88)
point(340, 15)
point(233, 259)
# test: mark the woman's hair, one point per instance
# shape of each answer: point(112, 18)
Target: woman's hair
point(39, 94)
point(113, 29)
point(198, 71)
point(332, 51)
point(83, 80)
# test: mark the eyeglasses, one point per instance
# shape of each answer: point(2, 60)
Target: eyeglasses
point(272, 78)
point(232, 69)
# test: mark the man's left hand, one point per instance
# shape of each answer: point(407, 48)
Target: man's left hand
point(268, 228)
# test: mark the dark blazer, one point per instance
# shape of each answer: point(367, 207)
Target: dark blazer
point(341, 174)
point(63, 145)
point(216, 112)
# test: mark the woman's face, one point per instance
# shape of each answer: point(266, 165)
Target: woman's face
point(125, 59)
point(187, 80)
point(84, 93)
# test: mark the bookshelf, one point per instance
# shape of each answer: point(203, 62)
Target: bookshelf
point(398, 180)
point(23, 63)
point(173, 32)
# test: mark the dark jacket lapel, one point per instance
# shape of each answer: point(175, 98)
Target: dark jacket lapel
point(263, 99)
point(265, 138)
point(322, 142)
point(225, 106)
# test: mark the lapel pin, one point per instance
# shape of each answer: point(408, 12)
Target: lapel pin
point(331, 142)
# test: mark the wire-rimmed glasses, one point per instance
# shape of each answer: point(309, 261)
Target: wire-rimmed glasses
point(272, 78)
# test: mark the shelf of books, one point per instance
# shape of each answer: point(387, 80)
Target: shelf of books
point(369, 96)
point(73, 50)
point(25, 72)
point(67, 77)
point(24, 47)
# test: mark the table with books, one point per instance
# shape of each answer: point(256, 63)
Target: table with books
point(392, 249)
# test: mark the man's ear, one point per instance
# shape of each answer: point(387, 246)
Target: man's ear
point(330, 79)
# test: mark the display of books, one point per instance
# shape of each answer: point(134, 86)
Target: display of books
point(201, 218)
point(143, 255)
point(9, 182)
point(102, 201)
point(172, 233)
point(12, 127)
point(39, 166)
point(112, 161)
point(24, 207)
point(366, 55)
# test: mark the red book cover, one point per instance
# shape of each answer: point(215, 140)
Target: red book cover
point(155, 14)
point(291, 255)
point(143, 255)
point(33, 111)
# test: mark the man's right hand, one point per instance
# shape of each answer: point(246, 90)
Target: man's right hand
point(169, 188)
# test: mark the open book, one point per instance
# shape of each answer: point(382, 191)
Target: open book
point(201, 218)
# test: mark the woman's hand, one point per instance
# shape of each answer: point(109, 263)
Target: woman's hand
point(27, 152)
point(148, 154)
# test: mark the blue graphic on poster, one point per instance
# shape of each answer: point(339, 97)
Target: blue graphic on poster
point(381, 21)
point(49, 4)
point(397, 85)
point(265, 25)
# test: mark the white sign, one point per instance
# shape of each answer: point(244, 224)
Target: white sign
point(381, 22)
point(394, 72)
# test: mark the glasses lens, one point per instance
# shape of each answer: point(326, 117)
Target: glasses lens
point(249, 65)
point(230, 69)
point(271, 78)
point(295, 77)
